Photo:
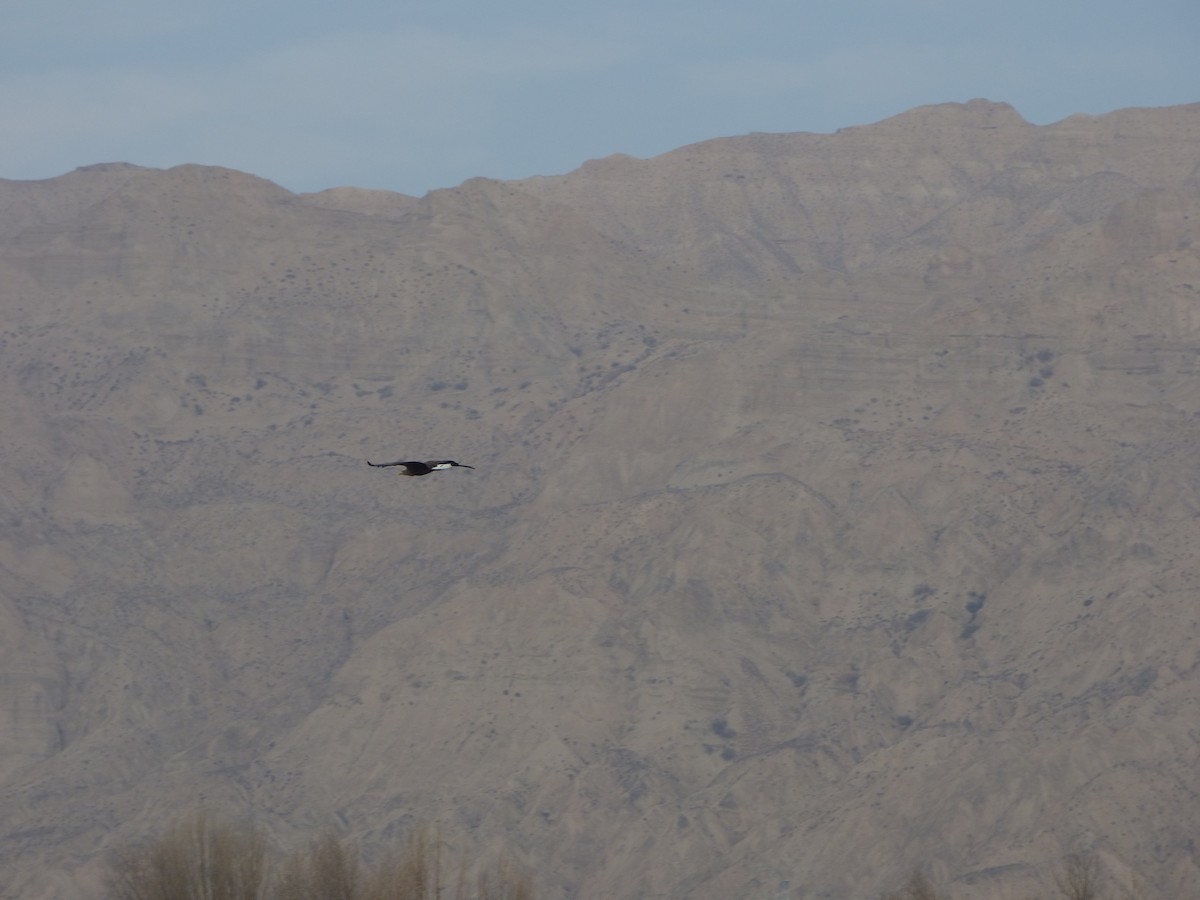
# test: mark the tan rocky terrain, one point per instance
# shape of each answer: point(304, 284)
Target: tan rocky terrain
point(836, 512)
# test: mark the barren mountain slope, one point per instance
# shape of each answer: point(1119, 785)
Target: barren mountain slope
point(834, 512)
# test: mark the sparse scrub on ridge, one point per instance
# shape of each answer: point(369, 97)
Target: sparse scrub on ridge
point(1079, 876)
point(202, 858)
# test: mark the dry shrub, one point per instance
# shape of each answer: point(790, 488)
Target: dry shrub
point(504, 881)
point(197, 859)
point(1079, 877)
point(918, 887)
point(413, 874)
point(417, 874)
point(326, 871)
point(202, 859)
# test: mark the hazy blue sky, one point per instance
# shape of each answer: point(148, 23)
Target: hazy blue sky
point(411, 95)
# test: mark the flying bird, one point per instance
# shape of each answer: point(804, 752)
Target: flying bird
point(413, 467)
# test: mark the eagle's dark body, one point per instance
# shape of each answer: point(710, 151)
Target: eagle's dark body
point(416, 467)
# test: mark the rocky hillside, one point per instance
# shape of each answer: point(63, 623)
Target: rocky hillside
point(835, 511)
